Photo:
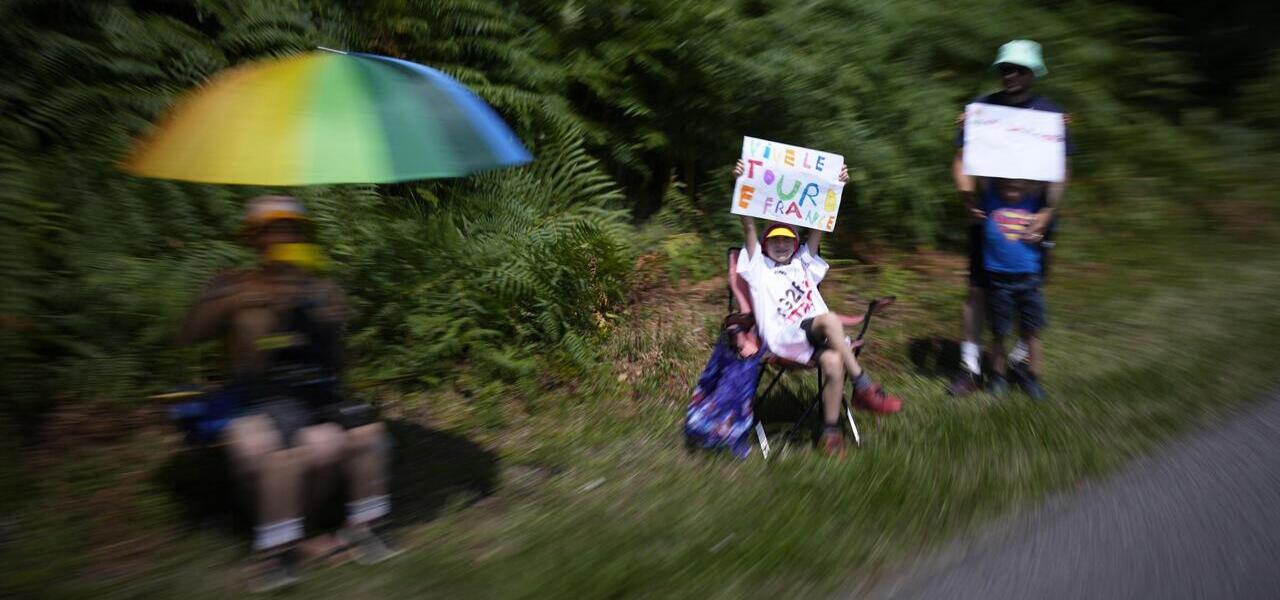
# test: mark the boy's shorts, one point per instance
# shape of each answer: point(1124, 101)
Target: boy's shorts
point(816, 338)
point(1010, 294)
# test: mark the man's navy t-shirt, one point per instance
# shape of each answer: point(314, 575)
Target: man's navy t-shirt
point(1034, 102)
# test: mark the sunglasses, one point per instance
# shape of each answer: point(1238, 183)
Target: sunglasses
point(1012, 70)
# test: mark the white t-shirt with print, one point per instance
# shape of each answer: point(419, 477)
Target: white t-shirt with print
point(783, 296)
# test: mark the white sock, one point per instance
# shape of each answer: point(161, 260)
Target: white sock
point(971, 357)
point(368, 509)
point(276, 534)
point(1020, 353)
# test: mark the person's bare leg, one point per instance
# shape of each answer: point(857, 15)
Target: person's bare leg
point(833, 386)
point(275, 475)
point(366, 462)
point(865, 392)
point(361, 454)
point(1035, 352)
point(325, 445)
point(998, 356)
point(366, 468)
point(970, 351)
point(831, 328)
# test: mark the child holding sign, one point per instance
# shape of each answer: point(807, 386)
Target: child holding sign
point(794, 321)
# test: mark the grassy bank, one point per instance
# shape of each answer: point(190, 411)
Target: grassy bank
point(588, 492)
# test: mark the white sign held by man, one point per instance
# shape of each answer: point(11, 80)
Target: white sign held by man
point(1014, 143)
point(789, 184)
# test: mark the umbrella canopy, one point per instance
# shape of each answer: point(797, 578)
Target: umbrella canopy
point(327, 117)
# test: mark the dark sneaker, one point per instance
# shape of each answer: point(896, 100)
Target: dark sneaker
point(365, 546)
point(875, 400)
point(1019, 371)
point(964, 383)
point(272, 572)
point(997, 386)
point(1031, 385)
point(832, 443)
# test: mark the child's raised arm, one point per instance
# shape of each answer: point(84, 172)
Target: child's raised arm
point(749, 240)
point(749, 235)
point(815, 235)
point(814, 241)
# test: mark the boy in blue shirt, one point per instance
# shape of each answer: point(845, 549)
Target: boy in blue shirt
point(1011, 256)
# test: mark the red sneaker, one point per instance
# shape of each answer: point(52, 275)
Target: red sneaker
point(832, 444)
point(875, 400)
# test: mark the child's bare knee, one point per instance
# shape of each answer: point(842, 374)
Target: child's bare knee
point(831, 364)
point(831, 322)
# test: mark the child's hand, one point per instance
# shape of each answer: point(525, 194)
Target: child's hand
point(738, 169)
point(844, 173)
point(1039, 225)
point(976, 215)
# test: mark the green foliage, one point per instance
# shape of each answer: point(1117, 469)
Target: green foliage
point(505, 267)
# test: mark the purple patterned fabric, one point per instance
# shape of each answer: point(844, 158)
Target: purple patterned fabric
point(719, 415)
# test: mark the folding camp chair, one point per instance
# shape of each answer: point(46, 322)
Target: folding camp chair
point(749, 344)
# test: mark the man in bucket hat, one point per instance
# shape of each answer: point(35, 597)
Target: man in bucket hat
point(1020, 64)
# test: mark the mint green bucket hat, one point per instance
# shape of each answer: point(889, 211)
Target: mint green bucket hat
point(1024, 53)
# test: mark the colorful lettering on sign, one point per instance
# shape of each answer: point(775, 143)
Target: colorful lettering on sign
point(810, 192)
point(783, 183)
point(787, 195)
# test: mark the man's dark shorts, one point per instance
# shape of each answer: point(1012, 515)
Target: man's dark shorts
point(1016, 294)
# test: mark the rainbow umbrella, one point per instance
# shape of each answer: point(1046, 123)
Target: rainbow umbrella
point(327, 117)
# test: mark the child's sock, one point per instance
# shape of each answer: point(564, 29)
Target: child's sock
point(862, 382)
point(970, 357)
point(1020, 352)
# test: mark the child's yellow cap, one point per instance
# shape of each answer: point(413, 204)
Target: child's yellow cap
point(780, 231)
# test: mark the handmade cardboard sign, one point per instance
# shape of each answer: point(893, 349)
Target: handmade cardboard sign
point(789, 184)
point(1014, 143)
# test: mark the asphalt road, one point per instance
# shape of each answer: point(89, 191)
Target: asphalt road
point(1200, 519)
